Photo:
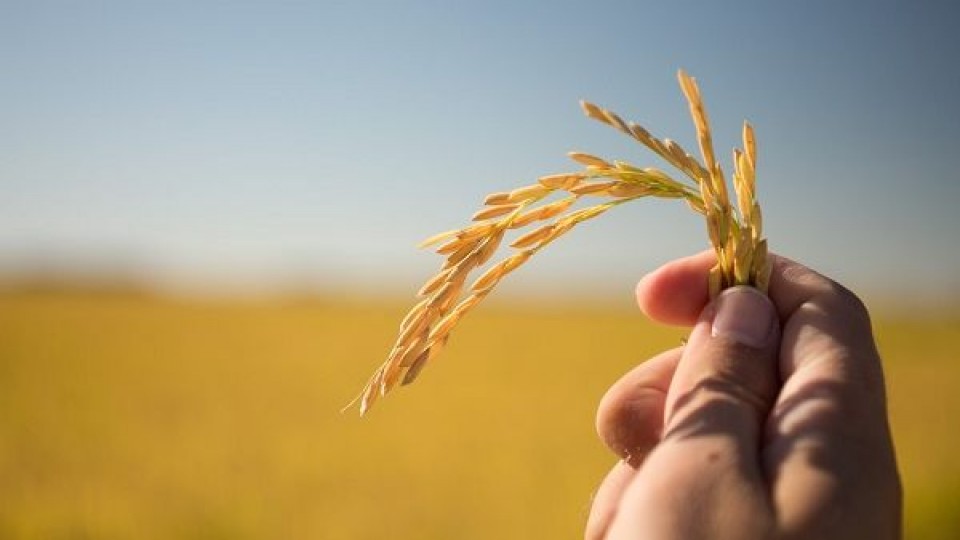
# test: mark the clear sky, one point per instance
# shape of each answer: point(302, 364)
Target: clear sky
point(246, 144)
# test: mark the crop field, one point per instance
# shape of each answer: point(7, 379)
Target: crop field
point(131, 416)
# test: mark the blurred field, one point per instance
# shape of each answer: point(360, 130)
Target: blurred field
point(125, 416)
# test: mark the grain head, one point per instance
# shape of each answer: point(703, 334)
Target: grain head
point(734, 232)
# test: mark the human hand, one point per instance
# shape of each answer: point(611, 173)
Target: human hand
point(769, 423)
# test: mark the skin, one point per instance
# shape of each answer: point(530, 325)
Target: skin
point(782, 436)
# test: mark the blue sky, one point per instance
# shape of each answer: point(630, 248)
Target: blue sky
point(248, 144)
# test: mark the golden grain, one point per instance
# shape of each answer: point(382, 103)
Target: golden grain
point(404, 358)
point(435, 282)
point(476, 231)
point(415, 322)
point(454, 245)
point(437, 238)
point(526, 218)
point(460, 255)
point(556, 208)
point(560, 181)
point(595, 188)
point(489, 278)
point(444, 326)
point(526, 193)
point(413, 313)
point(494, 211)
point(414, 370)
point(641, 135)
point(589, 160)
point(489, 247)
point(593, 111)
point(502, 197)
point(533, 236)
point(629, 190)
point(589, 213)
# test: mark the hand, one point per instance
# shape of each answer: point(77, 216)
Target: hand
point(769, 423)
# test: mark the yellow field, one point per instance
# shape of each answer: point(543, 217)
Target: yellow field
point(131, 417)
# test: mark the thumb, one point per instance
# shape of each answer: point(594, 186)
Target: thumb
point(727, 379)
point(724, 386)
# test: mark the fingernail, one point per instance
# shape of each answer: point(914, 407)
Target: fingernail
point(744, 315)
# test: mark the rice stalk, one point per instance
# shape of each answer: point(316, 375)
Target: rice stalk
point(735, 232)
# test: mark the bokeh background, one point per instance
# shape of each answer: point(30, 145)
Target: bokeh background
point(208, 213)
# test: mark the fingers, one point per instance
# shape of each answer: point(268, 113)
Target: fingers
point(827, 440)
point(630, 415)
point(821, 319)
point(606, 501)
point(722, 389)
point(811, 306)
point(677, 291)
point(829, 450)
point(817, 310)
point(630, 422)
